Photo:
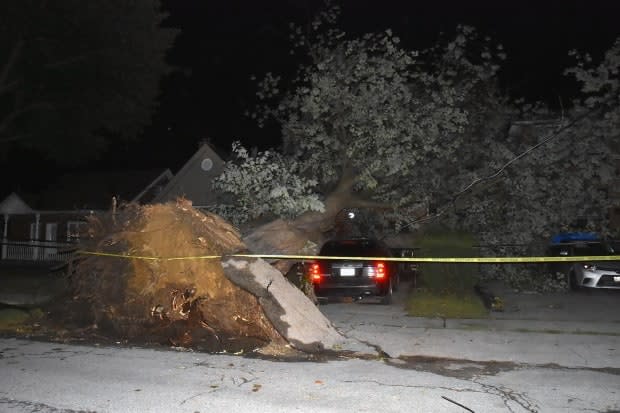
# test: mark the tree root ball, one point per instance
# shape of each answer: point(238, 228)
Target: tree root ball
point(154, 273)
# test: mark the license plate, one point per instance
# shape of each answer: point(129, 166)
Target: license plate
point(617, 279)
point(347, 272)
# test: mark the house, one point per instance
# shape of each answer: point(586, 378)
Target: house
point(33, 235)
point(193, 180)
point(43, 226)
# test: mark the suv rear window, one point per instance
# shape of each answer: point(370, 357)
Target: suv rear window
point(354, 248)
point(582, 248)
point(590, 249)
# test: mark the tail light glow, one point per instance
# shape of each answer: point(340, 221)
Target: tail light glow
point(315, 273)
point(380, 271)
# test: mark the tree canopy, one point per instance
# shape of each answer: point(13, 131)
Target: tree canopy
point(73, 74)
point(368, 117)
point(428, 135)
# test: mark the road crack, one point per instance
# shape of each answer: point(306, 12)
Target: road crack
point(37, 407)
point(508, 395)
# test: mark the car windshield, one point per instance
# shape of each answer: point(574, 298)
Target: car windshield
point(353, 248)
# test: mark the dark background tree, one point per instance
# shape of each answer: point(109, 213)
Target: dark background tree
point(76, 76)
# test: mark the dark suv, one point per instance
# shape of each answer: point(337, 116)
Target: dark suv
point(369, 275)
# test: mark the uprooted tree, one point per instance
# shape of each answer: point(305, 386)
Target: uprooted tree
point(365, 125)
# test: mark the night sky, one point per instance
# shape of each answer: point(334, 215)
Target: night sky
point(222, 44)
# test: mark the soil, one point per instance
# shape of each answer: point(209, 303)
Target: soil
point(124, 286)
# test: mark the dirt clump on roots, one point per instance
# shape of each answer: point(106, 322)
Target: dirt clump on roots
point(145, 276)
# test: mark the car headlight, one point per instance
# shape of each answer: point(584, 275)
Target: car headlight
point(590, 267)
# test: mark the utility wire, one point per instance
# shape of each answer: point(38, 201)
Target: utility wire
point(499, 171)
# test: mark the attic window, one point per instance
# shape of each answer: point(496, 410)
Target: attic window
point(206, 164)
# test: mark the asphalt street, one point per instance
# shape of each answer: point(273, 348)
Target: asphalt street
point(534, 357)
point(52, 378)
point(59, 378)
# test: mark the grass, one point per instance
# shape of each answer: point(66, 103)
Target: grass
point(18, 320)
point(424, 303)
point(12, 317)
point(446, 289)
point(23, 280)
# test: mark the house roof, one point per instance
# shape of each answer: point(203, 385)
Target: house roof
point(95, 189)
point(193, 180)
point(13, 204)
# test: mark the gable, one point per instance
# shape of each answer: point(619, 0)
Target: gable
point(13, 204)
point(193, 181)
point(153, 189)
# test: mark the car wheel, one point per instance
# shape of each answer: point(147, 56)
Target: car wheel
point(387, 298)
point(396, 282)
point(572, 282)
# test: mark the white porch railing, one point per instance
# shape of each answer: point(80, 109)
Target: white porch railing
point(48, 251)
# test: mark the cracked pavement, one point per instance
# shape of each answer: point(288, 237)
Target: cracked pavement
point(503, 364)
point(52, 377)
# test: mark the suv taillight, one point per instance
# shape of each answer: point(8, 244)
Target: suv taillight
point(315, 273)
point(380, 270)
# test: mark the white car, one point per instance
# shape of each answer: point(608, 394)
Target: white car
point(590, 274)
point(598, 274)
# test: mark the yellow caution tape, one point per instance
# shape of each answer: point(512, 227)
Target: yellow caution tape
point(140, 257)
point(480, 260)
point(106, 254)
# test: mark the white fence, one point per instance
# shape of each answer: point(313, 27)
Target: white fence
point(45, 251)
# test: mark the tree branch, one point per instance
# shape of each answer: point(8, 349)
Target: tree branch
point(499, 172)
point(347, 179)
point(356, 202)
